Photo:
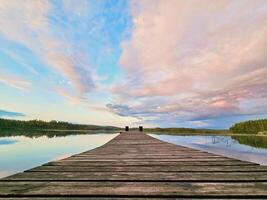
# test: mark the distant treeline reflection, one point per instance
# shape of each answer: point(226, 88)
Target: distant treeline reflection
point(253, 141)
point(50, 133)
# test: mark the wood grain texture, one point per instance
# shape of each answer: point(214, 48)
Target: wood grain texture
point(136, 166)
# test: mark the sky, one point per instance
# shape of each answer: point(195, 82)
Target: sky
point(157, 63)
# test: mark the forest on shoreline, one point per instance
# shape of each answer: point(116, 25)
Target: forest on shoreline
point(9, 124)
point(250, 127)
point(247, 127)
point(185, 131)
point(14, 127)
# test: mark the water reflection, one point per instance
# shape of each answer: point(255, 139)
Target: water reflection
point(249, 148)
point(50, 133)
point(224, 140)
point(7, 141)
point(254, 141)
point(18, 153)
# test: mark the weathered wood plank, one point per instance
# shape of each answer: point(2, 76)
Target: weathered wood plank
point(149, 163)
point(183, 159)
point(157, 156)
point(154, 168)
point(174, 189)
point(120, 198)
point(142, 176)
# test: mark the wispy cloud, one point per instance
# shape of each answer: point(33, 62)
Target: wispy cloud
point(14, 81)
point(29, 23)
point(6, 113)
point(194, 60)
point(72, 98)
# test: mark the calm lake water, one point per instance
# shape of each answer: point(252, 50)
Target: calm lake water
point(18, 153)
point(249, 148)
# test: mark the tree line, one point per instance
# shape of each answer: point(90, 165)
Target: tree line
point(185, 131)
point(250, 127)
point(39, 124)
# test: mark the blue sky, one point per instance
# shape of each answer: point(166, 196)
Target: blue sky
point(155, 63)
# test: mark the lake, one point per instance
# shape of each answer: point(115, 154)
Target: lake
point(248, 148)
point(18, 153)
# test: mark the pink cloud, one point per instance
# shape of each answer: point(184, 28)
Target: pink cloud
point(14, 81)
point(202, 59)
point(27, 23)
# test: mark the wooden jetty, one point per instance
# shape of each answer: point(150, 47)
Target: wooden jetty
point(134, 165)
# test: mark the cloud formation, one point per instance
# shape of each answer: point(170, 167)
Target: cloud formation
point(30, 24)
point(194, 61)
point(14, 81)
point(160, 62)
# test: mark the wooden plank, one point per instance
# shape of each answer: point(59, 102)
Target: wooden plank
point(145, 150)
point(107, 188)
point(142, 176)
point(154, 168)
point(183, 159)
point(145, 156)
point(150, 163)
point(149, 156)
point(117, 197)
